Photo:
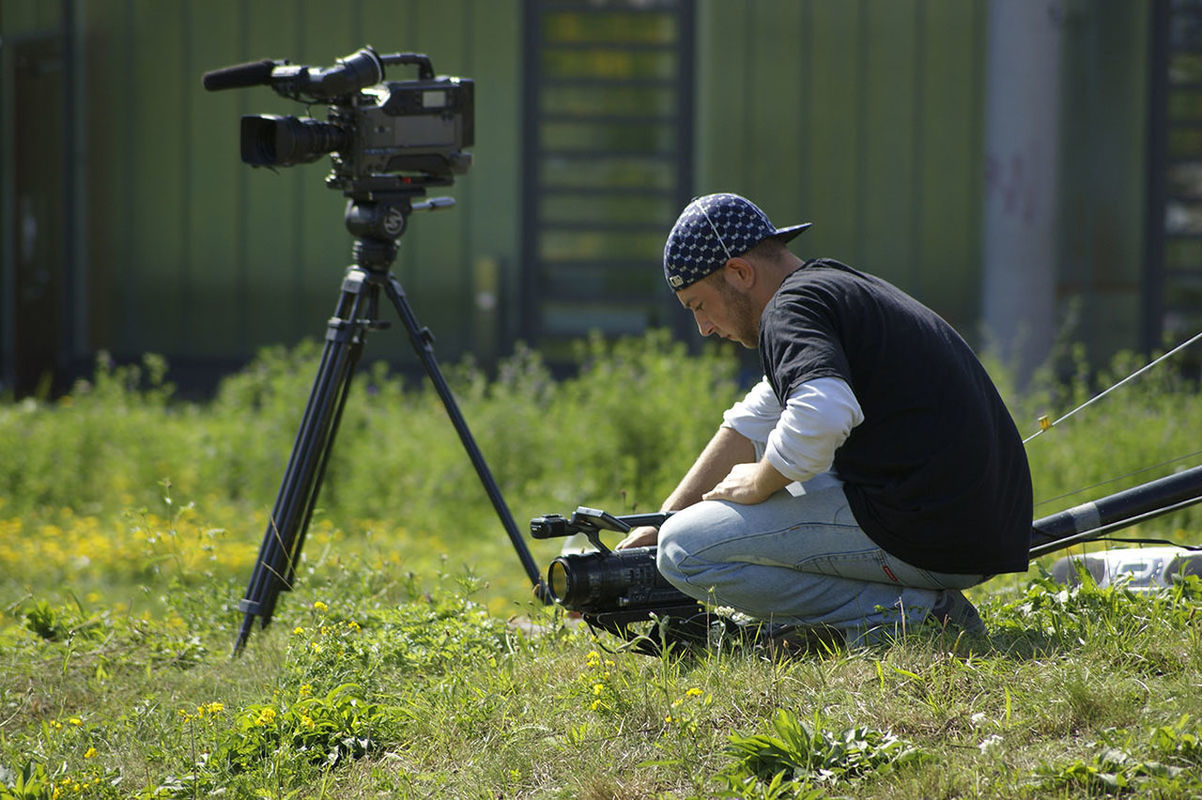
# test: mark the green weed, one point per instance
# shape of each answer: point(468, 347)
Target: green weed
point(411, 661)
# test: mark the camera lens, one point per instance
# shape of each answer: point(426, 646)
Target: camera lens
point(559, 580)
point(269, 140)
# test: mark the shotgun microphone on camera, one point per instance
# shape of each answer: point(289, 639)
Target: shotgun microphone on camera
point(255, 73)
point(362, 68)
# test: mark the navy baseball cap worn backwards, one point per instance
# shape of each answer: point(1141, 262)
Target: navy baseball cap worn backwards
point(713, 229)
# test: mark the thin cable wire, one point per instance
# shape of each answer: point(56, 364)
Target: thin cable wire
point(1118, 478)
point(1105, 392)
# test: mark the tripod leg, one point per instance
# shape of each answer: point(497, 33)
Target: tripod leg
point(275, 568)
point(422, 341)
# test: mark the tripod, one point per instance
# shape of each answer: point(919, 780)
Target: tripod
point(376, 215)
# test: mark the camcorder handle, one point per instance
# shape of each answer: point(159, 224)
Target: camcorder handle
point(590, 522)
point(362, 68)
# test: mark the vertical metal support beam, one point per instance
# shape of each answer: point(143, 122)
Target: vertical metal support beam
point(8, 373)
point(686, 149)
point(1022, 127)
point(531, 77)
point(76, 299)
point(1152, 286)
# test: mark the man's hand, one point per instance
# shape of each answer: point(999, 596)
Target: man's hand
point(643, 536)
point(748, 484)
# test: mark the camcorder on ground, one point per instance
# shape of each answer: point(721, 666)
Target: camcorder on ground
point(615, 590)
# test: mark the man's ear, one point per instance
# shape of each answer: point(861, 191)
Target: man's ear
point(740, 274)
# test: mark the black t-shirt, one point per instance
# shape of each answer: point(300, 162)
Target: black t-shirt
point(936, 474)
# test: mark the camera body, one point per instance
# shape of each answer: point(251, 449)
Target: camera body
point(380, 134)
point(418, 127)
point(613, 583)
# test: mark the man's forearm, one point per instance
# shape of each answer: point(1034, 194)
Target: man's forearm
point(749, 484)
point(727, 448)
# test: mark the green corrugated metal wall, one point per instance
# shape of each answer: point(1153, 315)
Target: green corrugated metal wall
point(863, 116)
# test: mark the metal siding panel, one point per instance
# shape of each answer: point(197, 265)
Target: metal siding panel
point(158, 176)
point(950, 161)
point(722, 107)
point(1101, 228)
point(834, 143)
point(107, 196)
point(215, 217)
point(773, 124)
point(29, 16)
point(492, 205)
point(890, 124)
point(273, 198)
point(387, 26)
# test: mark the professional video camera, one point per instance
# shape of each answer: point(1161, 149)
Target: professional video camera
point(612, 590)
point(417, 128)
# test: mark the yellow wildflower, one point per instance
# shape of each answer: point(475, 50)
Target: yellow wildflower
point(91, 753)
point(319, 606)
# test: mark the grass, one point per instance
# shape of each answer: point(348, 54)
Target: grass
point(410, 661)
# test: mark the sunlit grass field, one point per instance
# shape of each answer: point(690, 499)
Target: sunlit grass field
point(411, 660)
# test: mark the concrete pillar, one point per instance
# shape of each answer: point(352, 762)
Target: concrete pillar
point(1022, 125)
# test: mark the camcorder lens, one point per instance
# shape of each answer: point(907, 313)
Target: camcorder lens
point(558, 578)
point(621, 579)
point(269, 140)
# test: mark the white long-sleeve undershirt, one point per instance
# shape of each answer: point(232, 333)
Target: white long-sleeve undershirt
point(799, 440)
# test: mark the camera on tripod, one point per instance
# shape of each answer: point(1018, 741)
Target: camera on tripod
point(416, 128)
point(389, 142)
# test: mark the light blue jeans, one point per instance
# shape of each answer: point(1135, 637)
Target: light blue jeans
point(799, 560)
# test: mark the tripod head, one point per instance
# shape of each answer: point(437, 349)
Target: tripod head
point(377, 219)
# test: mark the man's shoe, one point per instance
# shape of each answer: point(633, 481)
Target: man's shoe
point(797, 640)
point(953, 608)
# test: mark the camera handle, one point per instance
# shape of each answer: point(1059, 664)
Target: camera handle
point(377, 219)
